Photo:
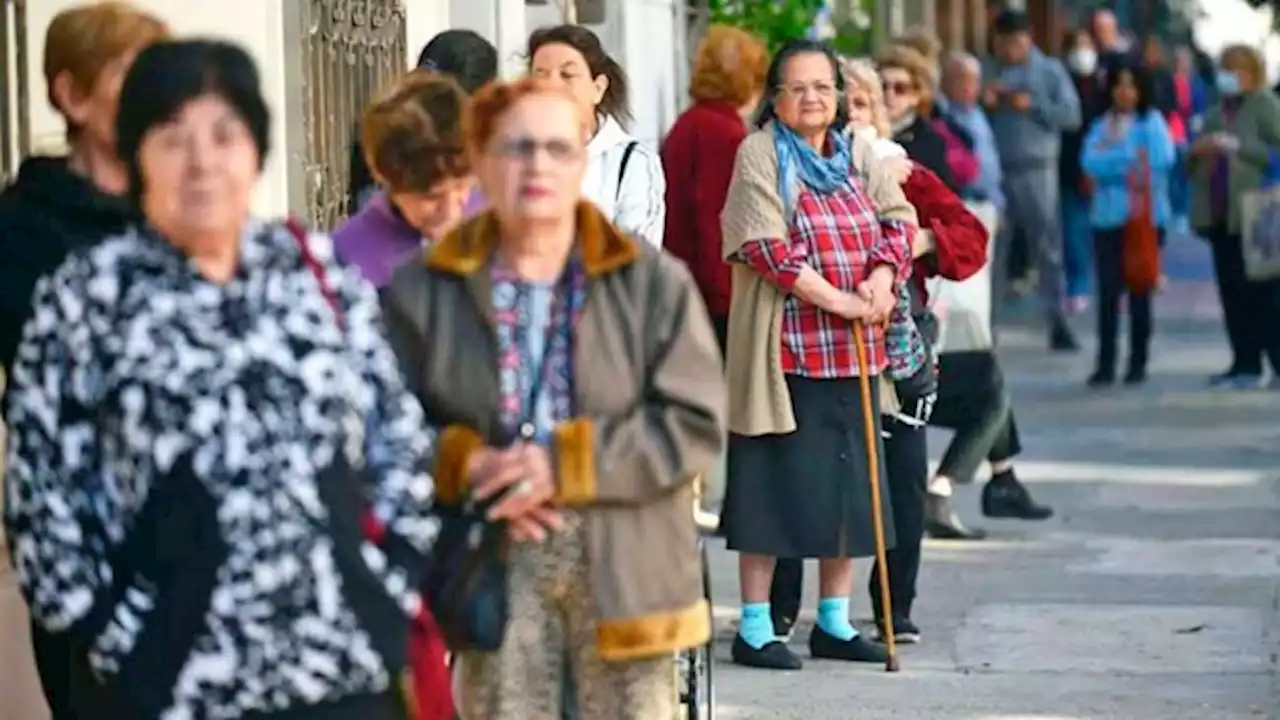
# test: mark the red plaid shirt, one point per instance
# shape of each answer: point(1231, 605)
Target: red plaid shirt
point(840, 236)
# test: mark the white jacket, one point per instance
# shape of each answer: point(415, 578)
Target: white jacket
point(638, 206)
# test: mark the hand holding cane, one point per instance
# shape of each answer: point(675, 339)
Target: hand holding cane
point(873, 473)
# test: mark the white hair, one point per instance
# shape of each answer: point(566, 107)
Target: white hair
point(963, 60)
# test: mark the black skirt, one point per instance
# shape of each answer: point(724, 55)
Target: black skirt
point(806, 494)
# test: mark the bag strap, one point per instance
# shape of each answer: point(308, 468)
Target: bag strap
point(622, 169)
point(316, 267)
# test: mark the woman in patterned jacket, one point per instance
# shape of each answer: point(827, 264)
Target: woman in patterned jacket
point(202, 409)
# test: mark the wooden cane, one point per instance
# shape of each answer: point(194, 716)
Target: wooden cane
point(873, 472)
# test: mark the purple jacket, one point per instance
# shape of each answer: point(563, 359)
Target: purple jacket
point(377, 239)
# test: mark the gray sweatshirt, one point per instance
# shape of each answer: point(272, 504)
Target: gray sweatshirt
point(1032, 138)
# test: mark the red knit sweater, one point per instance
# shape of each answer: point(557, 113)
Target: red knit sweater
point(697, 158)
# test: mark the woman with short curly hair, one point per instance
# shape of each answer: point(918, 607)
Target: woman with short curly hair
point(698, 155)
point(412, 139)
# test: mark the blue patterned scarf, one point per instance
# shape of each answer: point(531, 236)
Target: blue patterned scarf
point(799, 163)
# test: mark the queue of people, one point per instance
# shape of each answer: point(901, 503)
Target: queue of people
point(238, 446)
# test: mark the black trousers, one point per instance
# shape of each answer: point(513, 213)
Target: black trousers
point(906, 461)
point(1108, 254)
point(973, 402)
point(1250, 309)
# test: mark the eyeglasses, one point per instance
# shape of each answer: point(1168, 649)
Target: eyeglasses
point(799, 90)
point(899, 88)
point(559, 150)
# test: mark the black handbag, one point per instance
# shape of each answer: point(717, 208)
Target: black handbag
point(466, 580)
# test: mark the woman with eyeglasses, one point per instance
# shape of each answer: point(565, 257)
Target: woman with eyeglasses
point(908, 83)
point(624, 176)
point(819, 237)
point(576, 381)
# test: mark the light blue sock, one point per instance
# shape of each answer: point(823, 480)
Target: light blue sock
point(756, 626)
point(833, 618)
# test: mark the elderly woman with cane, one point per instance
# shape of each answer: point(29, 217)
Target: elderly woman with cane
point(819, 238)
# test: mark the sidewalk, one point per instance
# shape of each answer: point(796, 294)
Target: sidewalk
point(1151, 596)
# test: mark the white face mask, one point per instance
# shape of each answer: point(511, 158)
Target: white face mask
point(867, 132)
point(1083, 61)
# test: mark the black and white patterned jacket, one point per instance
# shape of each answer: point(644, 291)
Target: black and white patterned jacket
point(177, 491)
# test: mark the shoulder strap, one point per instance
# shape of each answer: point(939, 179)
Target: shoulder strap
point(622, 169)
point(313, 264)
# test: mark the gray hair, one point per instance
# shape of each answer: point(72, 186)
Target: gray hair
point(960, 60)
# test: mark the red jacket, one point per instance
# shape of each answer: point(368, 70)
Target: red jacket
point(697, 158)
point(959, 236)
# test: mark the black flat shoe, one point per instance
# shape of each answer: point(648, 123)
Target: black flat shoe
point(824, 646)
point(773, 656)
point(941, 522)
point(1005, 497)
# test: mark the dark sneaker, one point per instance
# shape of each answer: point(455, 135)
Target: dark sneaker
point(1061, 339)
point(1005, 497)
point(824, 646)
point(1101, 379)
point(941, 522)
point(905, 632)
point(1236, 380)
point(773, 656)
point(1135, 376)
point(783, 627)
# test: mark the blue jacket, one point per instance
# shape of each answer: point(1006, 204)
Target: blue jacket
point(1109, 163)
point(990, 176)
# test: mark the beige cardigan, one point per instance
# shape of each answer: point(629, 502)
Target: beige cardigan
point(758, 400)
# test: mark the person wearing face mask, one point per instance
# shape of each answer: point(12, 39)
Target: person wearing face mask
point(1082, 64)
point(1238, 140)
point(413, 145)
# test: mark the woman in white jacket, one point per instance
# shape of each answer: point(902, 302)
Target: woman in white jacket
point(623, 176)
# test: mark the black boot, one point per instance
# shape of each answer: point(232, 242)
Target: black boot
point(1061, 339)
point(941, 522)
point(1005, 497)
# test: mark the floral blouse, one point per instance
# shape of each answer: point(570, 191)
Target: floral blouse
point(528, 316)
point(137, 376)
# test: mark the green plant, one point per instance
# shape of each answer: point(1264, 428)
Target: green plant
point(853, 39)
point(774, 21)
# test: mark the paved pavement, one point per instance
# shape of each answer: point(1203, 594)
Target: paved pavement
point(1151, 596)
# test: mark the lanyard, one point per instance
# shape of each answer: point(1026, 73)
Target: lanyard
point(559, 309)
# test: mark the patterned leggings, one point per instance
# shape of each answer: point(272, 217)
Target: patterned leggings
point(552, 616)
